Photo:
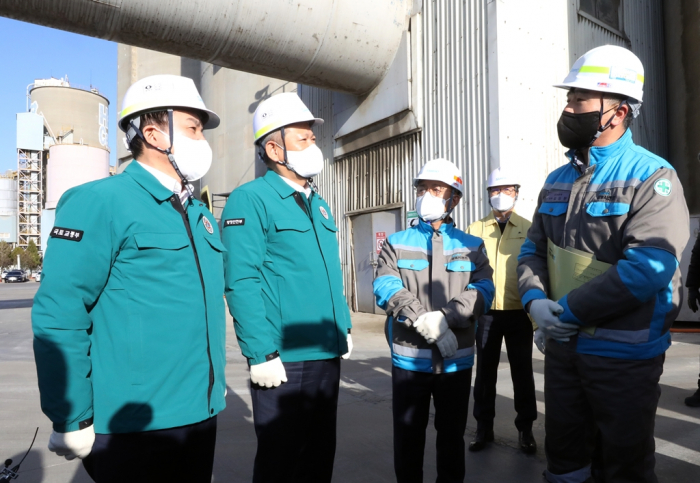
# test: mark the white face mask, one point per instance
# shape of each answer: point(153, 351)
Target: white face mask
point(307, 163)
point(430, 208)
point(502, 202)
point(193, 157)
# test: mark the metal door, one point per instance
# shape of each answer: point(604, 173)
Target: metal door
point(369, 231)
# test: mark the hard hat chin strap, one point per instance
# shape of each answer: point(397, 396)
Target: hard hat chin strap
point(602, 128)
point(135, 129)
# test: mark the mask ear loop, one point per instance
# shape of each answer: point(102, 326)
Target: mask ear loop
point(450, 201)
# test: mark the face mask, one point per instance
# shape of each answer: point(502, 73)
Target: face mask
point(502, 202)
point(430, 208)
point(581, 130)
point(193, 157)
point(307, 163)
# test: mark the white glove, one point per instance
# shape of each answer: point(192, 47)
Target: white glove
point(447, 344)
point(269, 373)
point(75, 444)
point(540, 340)
point(346, 356)
point(545, 313)
point(431, 325)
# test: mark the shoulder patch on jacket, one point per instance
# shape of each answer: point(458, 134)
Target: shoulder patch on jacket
point(67, 234)
point(234, 222)
point(663, 187)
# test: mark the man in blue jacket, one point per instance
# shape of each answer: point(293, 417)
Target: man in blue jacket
point(605, 341)
point(284, 289)
point(434, 281)
point(129, 321)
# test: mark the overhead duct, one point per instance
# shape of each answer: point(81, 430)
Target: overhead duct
point(344, 45)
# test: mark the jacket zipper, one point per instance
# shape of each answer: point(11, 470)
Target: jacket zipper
point(180, 209)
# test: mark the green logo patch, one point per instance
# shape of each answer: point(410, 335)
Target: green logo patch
point(663, 187)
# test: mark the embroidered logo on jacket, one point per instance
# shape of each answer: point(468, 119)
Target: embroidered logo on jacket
point(207, 225)
point(663, 187)
point(67, 234)
point(234, 222)
point(323, 212)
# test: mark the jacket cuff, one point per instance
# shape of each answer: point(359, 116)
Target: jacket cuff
point(532, 294)
point(567, 316)
point(73, 426)
point(452, 316)
point(261, 357)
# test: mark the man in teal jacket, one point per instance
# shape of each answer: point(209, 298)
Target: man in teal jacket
point(129, 322)
point(284, 288)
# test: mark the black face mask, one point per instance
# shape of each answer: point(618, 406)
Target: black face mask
point(581, 130)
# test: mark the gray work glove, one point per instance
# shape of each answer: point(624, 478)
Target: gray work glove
point(693, 297)
point(431, 325)
point(540, 340)
point(447, 344)
point(545, 313)
point(74, 444)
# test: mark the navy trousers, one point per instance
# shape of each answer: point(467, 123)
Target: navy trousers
point(600, 416)
point(515, 327)
point(296, 424)
point(411, 407)
point(185, 453)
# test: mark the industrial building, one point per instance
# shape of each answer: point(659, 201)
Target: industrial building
point(61, 143)
point(400, 83)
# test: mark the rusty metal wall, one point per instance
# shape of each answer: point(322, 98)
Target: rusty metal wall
point(643, 33)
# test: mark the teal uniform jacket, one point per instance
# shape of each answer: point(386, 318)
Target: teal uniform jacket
point(124, 329)
point(284, 285)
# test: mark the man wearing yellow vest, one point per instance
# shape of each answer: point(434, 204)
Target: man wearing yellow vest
point(503, 232)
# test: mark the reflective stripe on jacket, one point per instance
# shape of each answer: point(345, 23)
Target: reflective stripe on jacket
point(421, 270)
point(502, 250)
point(627, 208)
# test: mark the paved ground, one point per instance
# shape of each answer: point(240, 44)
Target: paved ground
point(364, 425)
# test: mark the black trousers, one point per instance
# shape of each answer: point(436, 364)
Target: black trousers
point(411, 407)
point(516, 328)
point(600, 416)
point(296, 424)
point(185, 453)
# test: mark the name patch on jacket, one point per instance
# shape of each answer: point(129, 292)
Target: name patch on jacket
point(234, 222)
point(557, 197)
point(67, 233)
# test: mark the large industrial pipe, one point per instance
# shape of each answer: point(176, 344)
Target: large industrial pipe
point(344, 45)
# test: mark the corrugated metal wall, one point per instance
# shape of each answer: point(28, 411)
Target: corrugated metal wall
point(643, 25)
point(455, 124)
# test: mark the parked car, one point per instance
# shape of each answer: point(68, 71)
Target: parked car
point(16, 276)
point(4, 274)
point(37, 276)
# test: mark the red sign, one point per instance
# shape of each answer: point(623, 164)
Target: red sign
point(380, 237)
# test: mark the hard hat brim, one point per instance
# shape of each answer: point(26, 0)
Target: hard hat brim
point(583, 85)
point(213, 119)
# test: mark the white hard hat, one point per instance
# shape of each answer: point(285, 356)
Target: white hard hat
point(279, 111)
point(499, 177)
point(441, 170)
point(610, 69)
point(160, 92)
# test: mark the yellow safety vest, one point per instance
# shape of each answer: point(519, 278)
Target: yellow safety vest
point(503, 251)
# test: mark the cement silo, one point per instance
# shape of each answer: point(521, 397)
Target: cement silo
point(76, 137)
point(8, 209)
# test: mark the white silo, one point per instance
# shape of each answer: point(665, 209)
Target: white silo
point(8, 209)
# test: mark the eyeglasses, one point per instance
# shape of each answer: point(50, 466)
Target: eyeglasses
point(507, 190)
point(435, 190)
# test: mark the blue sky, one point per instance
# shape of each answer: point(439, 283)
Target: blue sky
point(29, 52)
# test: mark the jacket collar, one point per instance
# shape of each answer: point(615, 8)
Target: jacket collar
point(445, 228)
point(148, 181)
point(513, 220)
point(600, 154)
point(276, 182)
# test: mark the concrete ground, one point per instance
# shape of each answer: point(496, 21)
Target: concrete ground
point(364, 452)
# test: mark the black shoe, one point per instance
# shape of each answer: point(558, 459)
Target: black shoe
point(527, 442)
point(694, 400)
point(482, 437)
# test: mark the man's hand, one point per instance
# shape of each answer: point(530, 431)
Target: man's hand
point(540, 340)
point(269, 373)
point(346, 356)
point(431, 325)
point(545, 313)
point(447, 344)
point(75, 444)
point(693, 297)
